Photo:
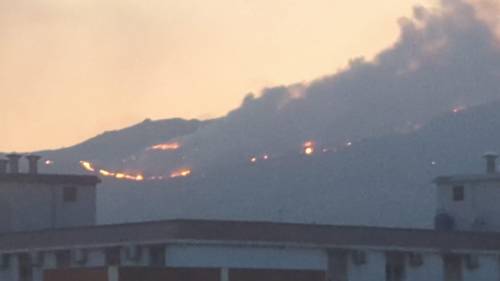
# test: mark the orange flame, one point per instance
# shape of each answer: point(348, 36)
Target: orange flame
point(185, 172)
point(106, 173)
point(458, 109)
point(166, 146)
point(309, 148)
point(87, 166)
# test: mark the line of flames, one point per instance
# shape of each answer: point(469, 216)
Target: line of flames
point(308, 148)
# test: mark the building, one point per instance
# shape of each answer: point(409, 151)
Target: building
point(33, 201)
point(470, 202)
point(181, 250)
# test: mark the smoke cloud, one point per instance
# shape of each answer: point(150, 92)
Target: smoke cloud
point(445, 58)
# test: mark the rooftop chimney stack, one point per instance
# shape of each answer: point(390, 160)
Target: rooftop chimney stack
point(14, 163)
point(33, 164)
point(491, 165)
point(3, 166)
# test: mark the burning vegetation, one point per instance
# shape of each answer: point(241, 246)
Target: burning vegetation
point(88, 166)
point(309, 148)
point(184, 172)
point(166, 146)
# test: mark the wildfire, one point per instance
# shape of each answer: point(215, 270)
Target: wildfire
point(458, 109)
point(309, 148)
point(166, 146)
point(181, 173)
point(87, 166)
point(106, 173)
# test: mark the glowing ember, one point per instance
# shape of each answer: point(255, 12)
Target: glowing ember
point(166, 146)
point(49, 162)
point(309, 148)
point(180, 173)
point(458, 109)
point(106, 173)
point(87, 166)
point(135, 178)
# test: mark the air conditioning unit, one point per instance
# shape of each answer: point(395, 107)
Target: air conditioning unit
point(36, 259)
point(415, 259)
point(358, 257)
point(133, 252)
point(4, 261)
point(471, 262)
point(80, 256)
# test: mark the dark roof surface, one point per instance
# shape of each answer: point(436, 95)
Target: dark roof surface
point(50, 179)
point(457, 179)
point(245, 232)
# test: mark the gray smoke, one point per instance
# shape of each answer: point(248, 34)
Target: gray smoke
point(443, 59)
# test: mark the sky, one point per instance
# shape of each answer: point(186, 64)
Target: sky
point(71, 69)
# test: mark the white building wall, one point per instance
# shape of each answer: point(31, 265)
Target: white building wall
point(96, 258)
point(246, 257)
point(11, 272)
point(26, 206)
point(372, 270)
point(80, 213)
point(141, 260)
point(430, 270)
point(32, 206)
point(480, 203)
point(488, 269)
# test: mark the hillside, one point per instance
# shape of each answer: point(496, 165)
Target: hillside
point(113, 148)
point(379, 181)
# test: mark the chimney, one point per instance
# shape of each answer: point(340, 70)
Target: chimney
point(491, 166)
point(14, 163)
point(33, 164)
point(3, 166)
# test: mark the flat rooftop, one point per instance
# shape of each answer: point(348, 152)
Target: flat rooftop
point(49, 179)
point(248, 233)
point(473, 178)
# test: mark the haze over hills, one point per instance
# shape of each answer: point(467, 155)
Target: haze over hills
point(381, 130)
point(119, 148)
point(380, 181)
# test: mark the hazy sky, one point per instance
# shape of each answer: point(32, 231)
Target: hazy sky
point(70, 69)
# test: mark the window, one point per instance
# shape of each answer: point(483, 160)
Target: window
point(70, 194)
point(25, 268)
point(113, 256)
point(157, 255)
point(453, 268)
point(395, 267)
point(63, 259)
point(458, 193)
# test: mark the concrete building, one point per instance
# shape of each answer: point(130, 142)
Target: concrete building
point(193, 250)
point(470, 202)
point(33, 201)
